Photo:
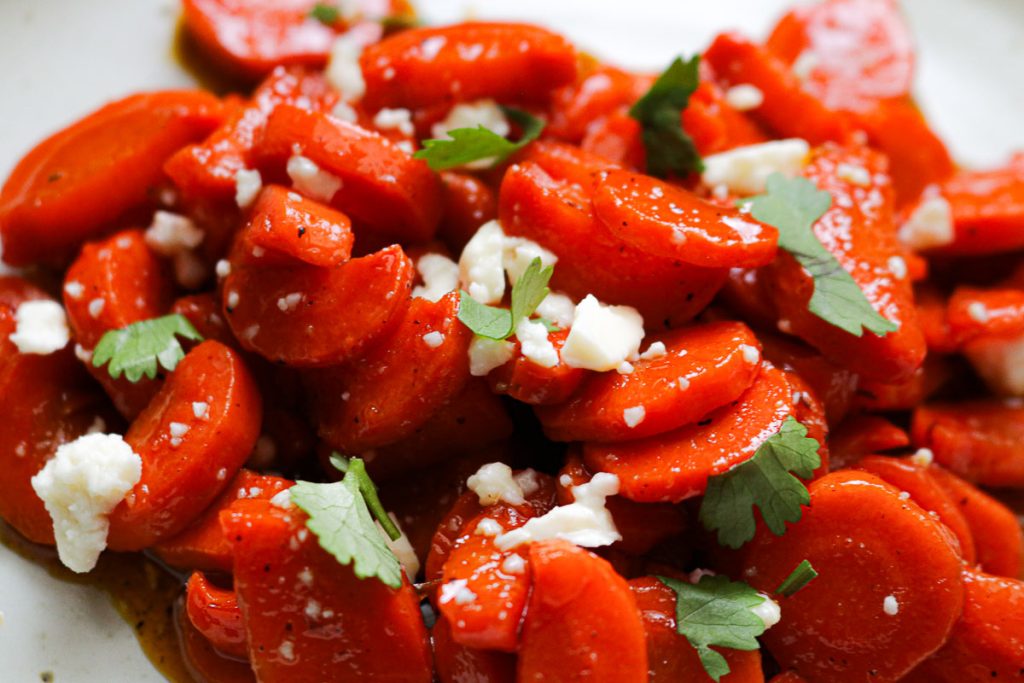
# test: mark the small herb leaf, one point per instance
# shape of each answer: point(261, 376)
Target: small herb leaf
point(500, 323)
point(325, 14)
point(530, 289)
point(795, 582)
point(137, 349)
point(669, 148)
point(765, 481)
point(793, 206)
point(485, 321)
point(466, 145)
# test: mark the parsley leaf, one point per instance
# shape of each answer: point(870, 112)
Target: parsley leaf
point(136, 349)
point(325, 14)
point(765, 480)
point(466, 145)
point(500, 323)
point(795, 582)
point(716, 612)
point(793, 206)
point(669, 148)
point(341, 515)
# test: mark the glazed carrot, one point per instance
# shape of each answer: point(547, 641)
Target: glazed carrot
point(386, 192)
point(591, 260)
point(308, 316)
point(395, 389)
point(905, 394)
point(670, 656)
point(832, 384)
point(997, 534)
point(525, 381)
point(988, 210)
point(676, 465)
point(113, 283)
point(204, 662)
point(573, 591)
point(80, 180)
point(980, 440)
point(566, 162)
point(704, 367)
point(301, 608)
point(466, 62)
point(888, 591)
point(456, 663)
point(713, 124)
point(860, 435)
point(974, 312)
point(449, 530)
point(598, 91)
point(204, 312)
point(665, 220)
point(617, 139)
point(292, 228)
point(987, 643)
point(924, 490)
point(189, 452)
point(214, 612)
point(468, 204)
point(202, 545)
point(788, 677)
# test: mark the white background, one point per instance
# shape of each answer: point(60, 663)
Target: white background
point(62, 58)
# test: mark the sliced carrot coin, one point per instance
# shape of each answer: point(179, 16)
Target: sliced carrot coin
point(285, 224)
point(861, 435)
point(215, 613)
point(988, 210)
point(468, 204)
point(204, 662)
point(599, 90)
point(526, 381)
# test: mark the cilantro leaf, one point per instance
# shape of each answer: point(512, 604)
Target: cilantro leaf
point(716, 612)
point(342, 517)
point(325, 14)
point(493, 322)
point(466, 145)
point(793, 206)
point(795, 582)
point(669, 148)
point(135, 350)
point(765, 481)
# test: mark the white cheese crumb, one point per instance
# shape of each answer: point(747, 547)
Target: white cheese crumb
point(433, 339)
point(745, 170)
point(494, 482)
point(282, 499)
point(440, 276)
point(744, 97)
point(519, 253)
point(287, 651)
point(200, 409)
point(768, 611)
point(897, 266)
point(170, 234)
point(41, 327)
point(585, 522)
point(558, 308)
point(602, 337)
point(923, 457)
point(634, 416)
point(528, 481)
point(484, 113)
point(96, 307)
point(311, 180)
point(655, 350)
point(750, 353)
point(248, 184)
point(890, 605)
point(488, 527)
point(853, 174)
point(625, 368)
point(480, 266)
point(344, 111)
point(488, 354)
point(289, 302)
point(1000, 362)
point(978, 312)
point(74, 289)
point(223, 268)
point(513, 565)
point(805, 65)
point(395, 119)
point(535, 345)
point(343, 71)
point(456, 591)
point(929, 226)
point(81, 486)
point(904, 495)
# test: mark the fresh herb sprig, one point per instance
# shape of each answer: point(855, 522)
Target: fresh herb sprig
point(659, 112)
point(137, 349)
point(500, 323)
point(465, 145)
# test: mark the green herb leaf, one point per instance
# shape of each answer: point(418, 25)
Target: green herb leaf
point(795, 582)
point(466, 145)
point(530, 289)
point(137, 349)
point(716, 612)
point(765, 481)
point(341, 515)
point(793, 206)
point(325, 14)
point(500, 323)
point(485, 321)
point(669, 148)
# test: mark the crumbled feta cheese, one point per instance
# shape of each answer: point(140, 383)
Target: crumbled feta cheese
point(978, 312)
point(488, 527)
point(282, 499)
point(558, 308)
point(480, 266)
point(433, 339)
point(430, 47)
point(923, 457)
point(170, 234)
point(343, 71)
point(904, 495)
point(655, 350)
point(494, 482)
point(929, 226)
point(1000, 362)
point(750, 354)
point(289, 302)
point(634, 416)
point(344, 111)
point(535, 345)
point(248, 184)
point(440, 276)
point(744, 97)
point(625, 368)
point(745, 170)
point(96, 307)
point(602, 336)
point(80, 487)
point(74, 289)
point(519, 253)
point(200, 409)
point(805, 64)
point(768, 611)
point(457, 591)
point(484, 113)
point(395, 119)
point(223, 268)
point(856, 175)
point(487, 354)
point(897, 266)
point(287, 651)
point(311, 180)
point(514, 565)
point(41, 327)
point(528, 481)
point(890, 605)
point(585, 522)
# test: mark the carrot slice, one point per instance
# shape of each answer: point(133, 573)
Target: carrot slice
point(861, 435)
point(665, 220)
point(987, 643)
point(574, 591)
point(204, 662)
point(525, 381)
point(398, 386)
point(997, 533)
point(980, 440)
point(215, 613)
point(468, 204)
point(189, 452)
point(888, 591)
point(676, 465)
point(76, 182)
point(598, 91)
point(703, 368)
point(466, 62)
point(457, 663)
point(988, 210)
point(292, 228)
point(974, 312)
point(670, 657)
point(308, 316)
point(204, 312)
point(301, 608)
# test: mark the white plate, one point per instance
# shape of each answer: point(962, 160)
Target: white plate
point(63, 58)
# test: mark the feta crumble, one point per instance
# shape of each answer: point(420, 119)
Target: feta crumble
point(745, 170)
point(768, 611)
point(602, 337)
point(890, 605)
point(170, 234)
point(394, 119)
point(484, 113)
point(558, 308)
point(744, 97)
point(311, 180)
point(494, 482)
point(457, 592)
point(929, 226)
point(487, 354)
point(480, 266)
point(440, 276)
point(248, 184)
point(433, 339)
point(41, 327)
point(634, 416)
point(343, 70)
point(535, 345)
